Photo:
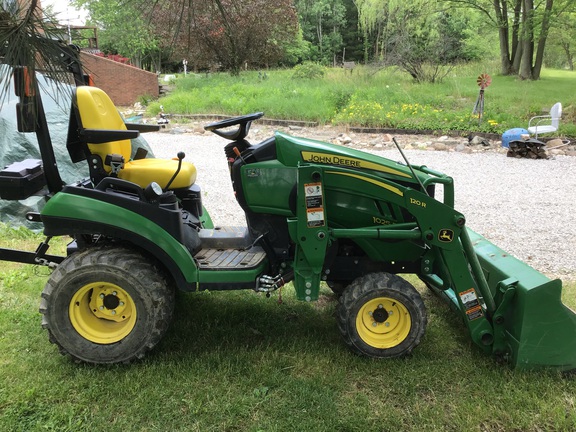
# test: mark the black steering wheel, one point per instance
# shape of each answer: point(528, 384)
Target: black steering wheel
point(238, 134)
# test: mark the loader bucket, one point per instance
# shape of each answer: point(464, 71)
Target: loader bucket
point(532, 327)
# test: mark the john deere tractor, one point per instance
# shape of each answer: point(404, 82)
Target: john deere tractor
point(315, 212)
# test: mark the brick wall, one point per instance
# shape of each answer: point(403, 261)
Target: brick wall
point(123, 83)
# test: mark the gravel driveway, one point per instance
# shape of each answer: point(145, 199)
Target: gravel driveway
point(526, 207)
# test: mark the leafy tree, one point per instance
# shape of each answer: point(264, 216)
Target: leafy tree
point(523, 27)
point(375, 17)
point(123, 31)
point(322, 22)
point(230, 33)
point(297, 50)
point(417, 36)
point(562, 50)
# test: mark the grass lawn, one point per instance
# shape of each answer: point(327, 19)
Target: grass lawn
point(238, 361)
point(379, 98)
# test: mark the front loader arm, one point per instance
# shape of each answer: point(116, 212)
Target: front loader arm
point(440, 232)
point(510, 309)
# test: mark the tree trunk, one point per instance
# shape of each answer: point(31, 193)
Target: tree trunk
point(517, 59)
point(319, 33)
point(527, 40)
point(377, 42)
point(545, 26)
point(505, 64)
point(365, 46)
point(234, 62)
point(569, 56)
point(516, 56)
point(501, 16)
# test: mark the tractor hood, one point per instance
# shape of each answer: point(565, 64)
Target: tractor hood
point(293, 151)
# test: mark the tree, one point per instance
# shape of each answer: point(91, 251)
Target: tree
point(562, 50)
point(322, 22)
point(523, 27)
point(230, 33)
point(417, 36)
point(123, 31)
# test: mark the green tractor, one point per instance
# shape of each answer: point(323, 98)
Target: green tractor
point(315, 212)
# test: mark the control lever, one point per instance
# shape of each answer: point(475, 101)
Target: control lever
point(180, 155)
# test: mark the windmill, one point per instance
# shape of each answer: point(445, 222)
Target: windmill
point(483, 81)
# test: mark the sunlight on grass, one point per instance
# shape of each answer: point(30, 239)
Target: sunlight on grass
point(569, 294)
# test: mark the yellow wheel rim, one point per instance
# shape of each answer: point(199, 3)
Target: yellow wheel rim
point(383, 322)
point(102, 312)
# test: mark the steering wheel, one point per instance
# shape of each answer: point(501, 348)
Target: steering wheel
point(238, 134)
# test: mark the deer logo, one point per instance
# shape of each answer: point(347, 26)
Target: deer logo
point(446, 235)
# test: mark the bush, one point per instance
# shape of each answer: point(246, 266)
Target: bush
point(309, 70)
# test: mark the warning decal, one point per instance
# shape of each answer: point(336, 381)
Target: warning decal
point(314, 205)
point(471, 304)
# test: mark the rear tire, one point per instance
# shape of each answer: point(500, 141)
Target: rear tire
point(106, 305)
point(381, 315)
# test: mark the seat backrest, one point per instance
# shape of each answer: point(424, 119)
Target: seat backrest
point(556, 113)
point(97, 111)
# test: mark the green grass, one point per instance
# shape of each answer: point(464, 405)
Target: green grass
point(386, 98)
point(238, 361)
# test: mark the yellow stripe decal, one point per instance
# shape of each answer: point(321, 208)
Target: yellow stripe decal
point(369, 180)
point(331, 159)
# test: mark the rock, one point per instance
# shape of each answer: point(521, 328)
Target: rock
point(199, 130)
point(387, 137)
point(463, 148)
point(443, 138)
point(439, 146)
point(451, 142)
point(177, 131)
point(379, 146)
point(554, 143)
point(344, 139)
point(478, 140)
point(557, 152)
point(294, 128)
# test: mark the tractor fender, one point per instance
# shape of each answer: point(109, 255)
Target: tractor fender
point(68, 214)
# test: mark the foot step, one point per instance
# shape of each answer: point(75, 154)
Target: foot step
point(221, 259)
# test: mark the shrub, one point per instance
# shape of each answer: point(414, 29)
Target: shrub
point(309, 70)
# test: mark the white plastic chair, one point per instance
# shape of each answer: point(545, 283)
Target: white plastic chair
point(554, 116)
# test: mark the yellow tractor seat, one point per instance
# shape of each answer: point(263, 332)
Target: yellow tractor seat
point(97, 126)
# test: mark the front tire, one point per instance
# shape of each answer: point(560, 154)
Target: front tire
point(381, 315)
point(106, 305)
